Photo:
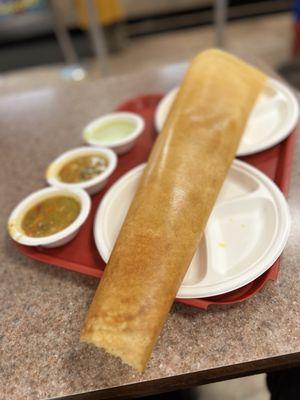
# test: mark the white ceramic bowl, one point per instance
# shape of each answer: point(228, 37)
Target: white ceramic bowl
point(119, 146)
point(58, 239)
point(93, 185)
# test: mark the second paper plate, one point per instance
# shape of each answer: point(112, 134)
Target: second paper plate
point(273, 118)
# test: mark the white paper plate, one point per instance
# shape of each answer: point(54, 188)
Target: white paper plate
point(273, 118)
point(245, 234)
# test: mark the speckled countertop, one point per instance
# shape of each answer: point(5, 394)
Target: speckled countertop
point(43, 307)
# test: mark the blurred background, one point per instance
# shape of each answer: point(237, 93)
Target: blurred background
point(59, 40)
point(65, 42)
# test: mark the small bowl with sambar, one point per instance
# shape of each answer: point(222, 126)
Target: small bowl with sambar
point(83, 167)
point(49, 217)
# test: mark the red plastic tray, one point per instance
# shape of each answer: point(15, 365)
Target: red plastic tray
point(81, 254)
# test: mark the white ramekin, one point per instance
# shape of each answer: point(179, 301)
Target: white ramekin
point(58, 239)
point(93, 185)
point(119, 146)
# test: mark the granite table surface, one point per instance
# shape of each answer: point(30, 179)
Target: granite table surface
point(43, 307)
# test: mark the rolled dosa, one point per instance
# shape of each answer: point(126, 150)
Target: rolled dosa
point(176, 194)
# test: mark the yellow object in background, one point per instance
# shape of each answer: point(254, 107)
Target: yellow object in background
point(16, 6)
point(108, 12)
